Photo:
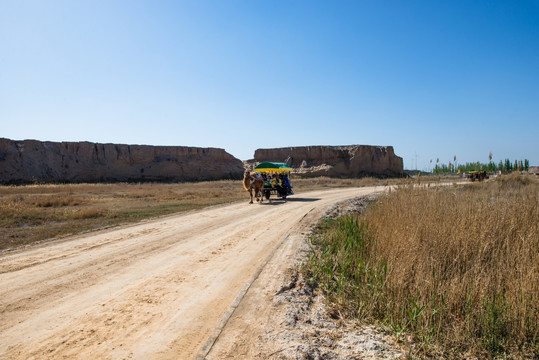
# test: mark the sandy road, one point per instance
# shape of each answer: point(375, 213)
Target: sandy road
point(155, 290)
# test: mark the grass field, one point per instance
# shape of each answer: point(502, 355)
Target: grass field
point(37, 212)
point(453, 269)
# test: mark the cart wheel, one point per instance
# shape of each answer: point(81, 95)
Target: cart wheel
point(267, 193)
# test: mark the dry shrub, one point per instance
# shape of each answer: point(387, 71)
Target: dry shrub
point(59, 201)
point(515, 179)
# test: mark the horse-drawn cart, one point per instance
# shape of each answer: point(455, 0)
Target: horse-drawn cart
point(276, 180)
point(477, 175)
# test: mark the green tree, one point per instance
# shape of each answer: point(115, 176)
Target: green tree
point(507, 165)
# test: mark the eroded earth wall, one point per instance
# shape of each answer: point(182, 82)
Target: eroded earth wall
point(36, 161)
point(337, 161)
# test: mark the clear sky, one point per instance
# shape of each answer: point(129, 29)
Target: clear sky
point(434, 79)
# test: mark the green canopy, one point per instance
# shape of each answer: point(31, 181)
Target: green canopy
point(273, 167)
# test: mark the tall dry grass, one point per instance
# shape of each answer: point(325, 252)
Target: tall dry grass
point(455, 268)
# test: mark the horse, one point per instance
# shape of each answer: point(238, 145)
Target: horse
point(253, 181)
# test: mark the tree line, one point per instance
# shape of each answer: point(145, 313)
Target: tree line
point(504, 165)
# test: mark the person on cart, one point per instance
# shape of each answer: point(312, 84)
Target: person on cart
point(277, 184)
point(286, 184)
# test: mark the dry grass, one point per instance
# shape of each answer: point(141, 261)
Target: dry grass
point(456, 268)
point(38, 212)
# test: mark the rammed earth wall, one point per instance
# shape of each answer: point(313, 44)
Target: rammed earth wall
point(337, 161)
point(36, 161)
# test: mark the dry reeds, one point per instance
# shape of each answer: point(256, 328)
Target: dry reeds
point(456, 268)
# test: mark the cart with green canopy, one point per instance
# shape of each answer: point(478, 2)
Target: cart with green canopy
point(272, 185)
point(273, 168)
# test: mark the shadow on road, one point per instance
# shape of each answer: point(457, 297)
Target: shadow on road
point(278, 201)
point(302, 199)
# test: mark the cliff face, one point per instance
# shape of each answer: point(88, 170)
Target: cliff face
point(31, 160)
point(337, 161)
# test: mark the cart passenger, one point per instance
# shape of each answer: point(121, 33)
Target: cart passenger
point(277, 183)
point(286, 185)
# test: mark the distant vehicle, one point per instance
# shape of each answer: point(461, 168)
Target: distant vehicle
point(477, 175)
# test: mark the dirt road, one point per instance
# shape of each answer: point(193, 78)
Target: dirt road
point(155, 290)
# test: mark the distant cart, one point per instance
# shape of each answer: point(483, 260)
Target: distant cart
point(477, 175)
point(271, 186)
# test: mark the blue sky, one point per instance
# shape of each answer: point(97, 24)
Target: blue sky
point(434, 79)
